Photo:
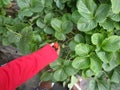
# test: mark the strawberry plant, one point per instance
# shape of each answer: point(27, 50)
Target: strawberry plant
point(88, 32)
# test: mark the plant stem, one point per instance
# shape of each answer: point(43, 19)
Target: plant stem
point(18, 34)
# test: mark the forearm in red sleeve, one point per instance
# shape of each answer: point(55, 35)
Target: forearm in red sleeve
point(21, 69)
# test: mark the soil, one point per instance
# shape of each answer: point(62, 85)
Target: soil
point(8, 53)
point(31, 84)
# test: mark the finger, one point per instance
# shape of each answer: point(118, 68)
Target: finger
point(58, 51)
point(52, 44)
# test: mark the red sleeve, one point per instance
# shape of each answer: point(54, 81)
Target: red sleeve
point(21, 69)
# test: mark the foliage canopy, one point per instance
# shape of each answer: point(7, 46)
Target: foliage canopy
point(88, 31)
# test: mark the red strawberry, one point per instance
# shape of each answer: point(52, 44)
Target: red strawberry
point(56, 45)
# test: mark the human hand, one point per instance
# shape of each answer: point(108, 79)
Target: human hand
point(56, 47)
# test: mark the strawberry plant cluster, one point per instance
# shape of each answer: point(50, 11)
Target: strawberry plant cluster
point(88, 32)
